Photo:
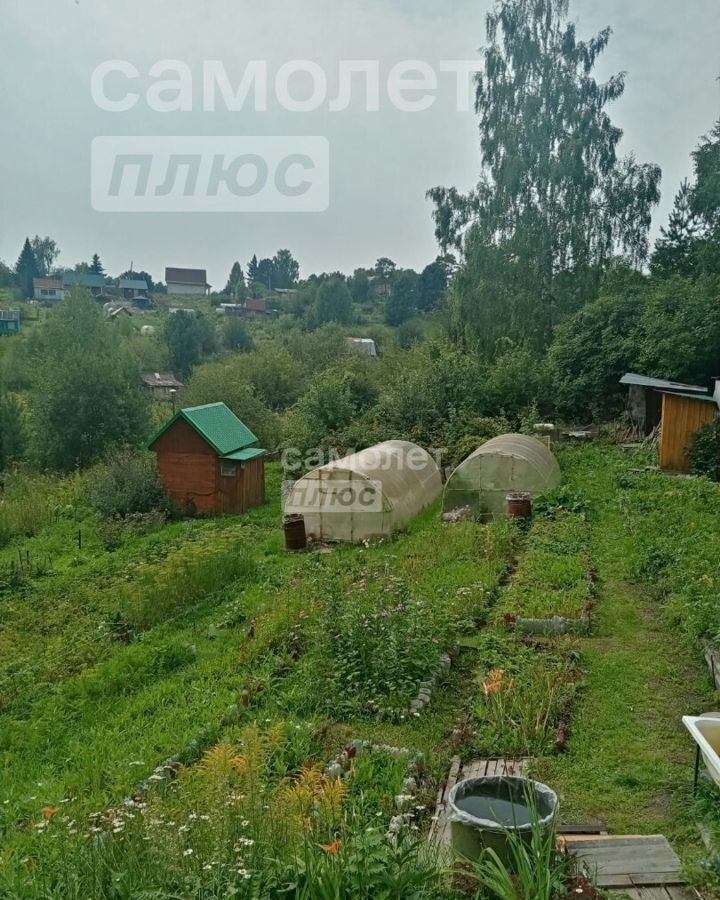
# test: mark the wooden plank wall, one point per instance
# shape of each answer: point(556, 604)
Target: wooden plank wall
point(245, 490)
point(187, 467)
point(682, 417)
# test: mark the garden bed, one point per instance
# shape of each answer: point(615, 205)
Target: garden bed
point(525, 691)
point(552, 589)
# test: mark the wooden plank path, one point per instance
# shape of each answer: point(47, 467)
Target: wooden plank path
point(639, 866)
point(627, 861)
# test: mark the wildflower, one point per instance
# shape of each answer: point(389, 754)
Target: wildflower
point(496, 682)
point(188, 852)
point(333, 848)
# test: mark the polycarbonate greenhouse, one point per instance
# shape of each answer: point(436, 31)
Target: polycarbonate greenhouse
point(366, 495)
point(505, 464)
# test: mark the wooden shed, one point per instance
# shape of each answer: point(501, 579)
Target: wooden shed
point(207, 461)
point(644, 402)
point(683, 415)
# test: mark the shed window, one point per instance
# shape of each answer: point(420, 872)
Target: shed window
point(228, 470)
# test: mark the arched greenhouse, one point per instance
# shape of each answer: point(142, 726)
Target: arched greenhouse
point(366, 495)
point(505, 464)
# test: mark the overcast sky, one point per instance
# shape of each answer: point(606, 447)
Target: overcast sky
point(381, 163)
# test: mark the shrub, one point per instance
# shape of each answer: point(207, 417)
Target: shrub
point(127, 483)
point(704, 453)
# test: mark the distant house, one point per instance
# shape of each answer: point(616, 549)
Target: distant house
point(255, 308)
point(207, 461)
point(160, 385)
point(252, 308)
point(94, 283)
point(186, 281)
point(645, 398)
point(133, 288)
point(9, 321)
point(363, 345)
point(48, 289)
point(231, 309)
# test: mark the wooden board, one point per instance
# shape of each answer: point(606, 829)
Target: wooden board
point(628, 861)
point(671, 892)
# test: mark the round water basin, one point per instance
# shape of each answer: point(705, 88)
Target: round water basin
point(485, 812)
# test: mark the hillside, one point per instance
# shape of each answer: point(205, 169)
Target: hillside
point(197, 635)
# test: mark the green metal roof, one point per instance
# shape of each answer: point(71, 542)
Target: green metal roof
point(136, 284)
point(708, 398)
point(244, 455)
point(216, 424)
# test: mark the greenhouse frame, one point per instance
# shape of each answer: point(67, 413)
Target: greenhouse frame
point(507, 464)
point(367, 495)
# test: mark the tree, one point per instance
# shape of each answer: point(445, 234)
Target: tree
point(384, 271)
point(266, 273)
point(224, 381)
point(553, 195)
point(13, 435)
point(235, 286)
point(433, 284)
point(86, 395)
point(96, 267)
point(333, 302)
point(26, 268)
point(674, 249)
point(46, 252)
point(236, 337)
point(360, 286)
point(7, 276)
point(286, 270)
point(189, 337)
point(252, 270)
point(706, 192)
point(403, 300)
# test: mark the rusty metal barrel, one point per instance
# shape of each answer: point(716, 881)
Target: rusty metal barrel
point(519, 505)
point(295, 536)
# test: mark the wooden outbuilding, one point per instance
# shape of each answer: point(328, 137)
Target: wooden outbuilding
point(207, 461)
point(683, 415)
point(644, 401)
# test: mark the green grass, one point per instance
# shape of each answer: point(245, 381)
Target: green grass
point(217, 608)
point(86, 716)
point(629, 763)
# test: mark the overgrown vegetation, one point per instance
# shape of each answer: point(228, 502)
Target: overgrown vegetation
point(553, 577)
